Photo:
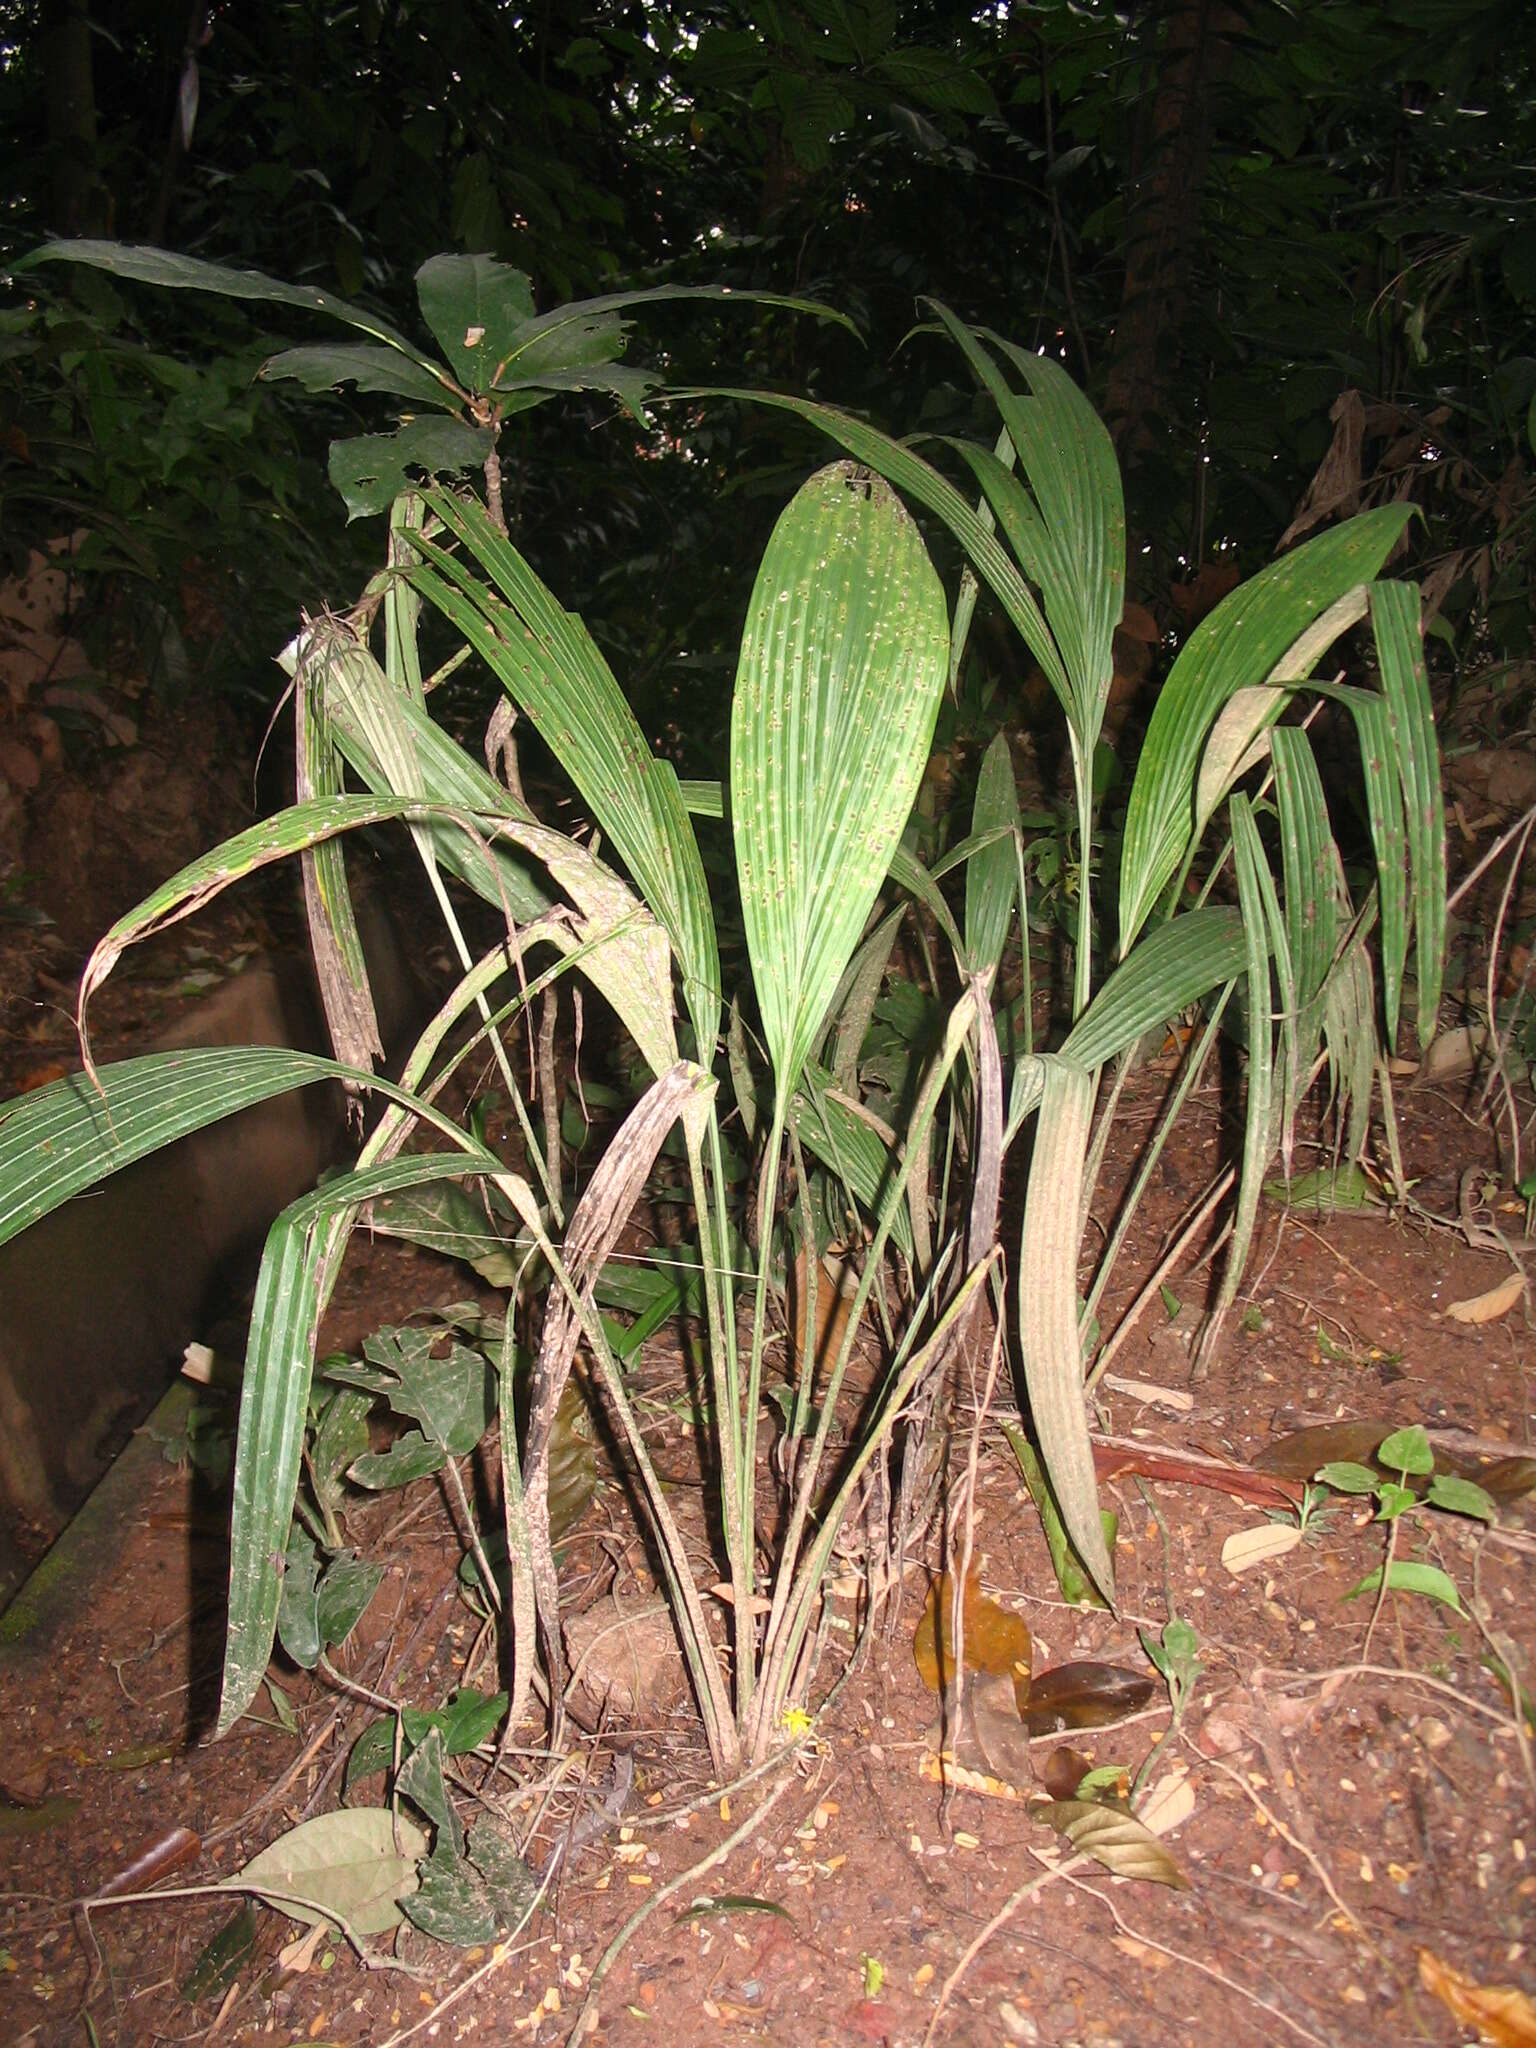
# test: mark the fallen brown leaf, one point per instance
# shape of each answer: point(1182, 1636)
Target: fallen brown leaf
point(1502, 2014)
point(1488, 1307)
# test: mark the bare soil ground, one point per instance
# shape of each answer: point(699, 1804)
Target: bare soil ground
point(1354, 1786)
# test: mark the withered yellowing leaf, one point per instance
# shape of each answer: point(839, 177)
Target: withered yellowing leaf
point(1502, 2013)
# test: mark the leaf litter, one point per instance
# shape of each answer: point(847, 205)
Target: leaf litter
point(1400, 1776)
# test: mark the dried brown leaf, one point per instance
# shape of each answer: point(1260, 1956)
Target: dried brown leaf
point(1247, 1548)
point(992, 1639)
point(1502, 2014)
point(1083, 1695)
point(1489, 1306)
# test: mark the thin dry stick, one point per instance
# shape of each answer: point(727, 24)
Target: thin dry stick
point(999, 1920)
point(1292, 1681)
point(1318, 1867)
point(967, 1539)
point(1471, 879)
point(1192, 1962)
point(472, 1535)
point(1213, 1194)
point(1503, 1649)
point(636, 1920)
point(1348, 1264)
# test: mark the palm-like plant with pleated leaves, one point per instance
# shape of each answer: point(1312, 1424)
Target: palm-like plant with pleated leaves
point(843, 660)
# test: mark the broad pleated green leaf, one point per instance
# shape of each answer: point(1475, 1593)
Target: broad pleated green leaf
point(275, 1391)
point(991, 875)
point(1255, 890)
point(1306, 853)
point(62, 1139)
point(1172, 967)
point(706, 799)
point(842, 668)
point(1242, 642)
point(551, 667)
point(1065, 521)
point(1400, 649)
point(1048, 1323)
point(919, 480)
point(1389, 836)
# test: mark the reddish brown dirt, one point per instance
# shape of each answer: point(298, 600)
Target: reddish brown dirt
point(1357, 1793)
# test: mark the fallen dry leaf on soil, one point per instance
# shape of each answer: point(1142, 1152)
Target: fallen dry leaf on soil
point(992, 1639)
point(1488, 1307)
point(1168, 1805)
point(1502, 2014)
point(1250, 1547)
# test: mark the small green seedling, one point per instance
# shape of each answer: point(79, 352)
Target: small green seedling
point(1176, 1655)
point(1407, 1452)
point(1316, 1499)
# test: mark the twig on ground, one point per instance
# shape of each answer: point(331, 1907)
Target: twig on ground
point(636, 1920)
point(1291, 1681)
point(999, 1920)
point(1176, 1955)
point(1318, 1867)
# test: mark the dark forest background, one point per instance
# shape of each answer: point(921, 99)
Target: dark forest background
point(1259, 235)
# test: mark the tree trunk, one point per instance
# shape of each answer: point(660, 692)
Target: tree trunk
point(1162, 213)
point(79, 203)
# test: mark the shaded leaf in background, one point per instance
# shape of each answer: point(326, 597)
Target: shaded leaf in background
point(451, 1904)
point(509, 1881)
point(1299, 1455)
point(223, 1958)
point(421, 1781)
point(346, 1588)
point(298, 1607)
